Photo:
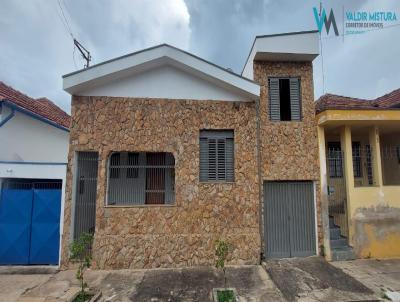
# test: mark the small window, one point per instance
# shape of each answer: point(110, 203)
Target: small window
point(335, 161)
point(216, 156)
point(284, 99)
point(137, 178)
point(356, 150)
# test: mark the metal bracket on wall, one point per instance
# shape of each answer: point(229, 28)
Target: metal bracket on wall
point(7, 118)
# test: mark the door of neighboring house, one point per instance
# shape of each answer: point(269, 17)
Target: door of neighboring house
point(30, 223)
point(289, 227)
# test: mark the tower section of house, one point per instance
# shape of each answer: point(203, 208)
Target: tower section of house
point(34, 136)
point(162, 161)
point(289, 159)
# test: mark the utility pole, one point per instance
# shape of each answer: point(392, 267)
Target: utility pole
point(84, 52)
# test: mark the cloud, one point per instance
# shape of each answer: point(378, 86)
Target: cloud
point(36, 48)
point(362, 65)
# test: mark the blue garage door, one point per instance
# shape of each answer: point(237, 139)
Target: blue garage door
point(30, 223)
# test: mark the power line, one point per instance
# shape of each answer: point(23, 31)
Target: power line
point(66, 20)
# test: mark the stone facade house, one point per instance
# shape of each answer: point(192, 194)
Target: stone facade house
point(169, 152)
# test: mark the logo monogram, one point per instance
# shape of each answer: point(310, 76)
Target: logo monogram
point(322, 19)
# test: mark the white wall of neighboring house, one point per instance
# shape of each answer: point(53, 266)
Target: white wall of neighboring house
point(30, 148)
point(26, 139)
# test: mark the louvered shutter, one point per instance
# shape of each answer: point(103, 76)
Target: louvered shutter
point(203, 159)
point(216, 156)
point(295, 107)
point(274, 101)
point(229, 156)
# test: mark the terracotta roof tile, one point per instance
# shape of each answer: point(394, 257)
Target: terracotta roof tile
point(42, 106)
point(332, 101)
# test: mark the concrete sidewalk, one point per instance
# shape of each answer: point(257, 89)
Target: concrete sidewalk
point(314, 279)
point(296, 279)
point(161, 285)
point(378, 275)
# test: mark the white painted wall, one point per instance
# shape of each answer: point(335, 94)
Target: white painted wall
point(165, 81)
point(288, 47)
point(128, 65)
point(26, 139)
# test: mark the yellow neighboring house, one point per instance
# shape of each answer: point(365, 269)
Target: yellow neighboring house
point(359, 144)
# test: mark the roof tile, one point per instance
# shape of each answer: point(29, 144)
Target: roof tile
point(42, 106)
point(332, 101)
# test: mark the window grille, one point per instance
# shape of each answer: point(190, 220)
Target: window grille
point(335, 160)
point(216, 156)
point(137, 178)
point(357, 167)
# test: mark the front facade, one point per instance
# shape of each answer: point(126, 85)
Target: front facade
point(360, 173)
point(34, 136)
point(170, 153)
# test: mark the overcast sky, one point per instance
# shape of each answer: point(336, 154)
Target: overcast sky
point(36, 48)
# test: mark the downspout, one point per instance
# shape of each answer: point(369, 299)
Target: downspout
point(260, 185)
point(8, 117)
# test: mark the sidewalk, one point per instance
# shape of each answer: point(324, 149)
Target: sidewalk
point(295, 279)
point(378, 275)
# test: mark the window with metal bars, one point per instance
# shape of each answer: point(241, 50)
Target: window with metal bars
point(216, 156)
point(357, 167)
point(335, 160)
point(137, 178)
point(284, 99)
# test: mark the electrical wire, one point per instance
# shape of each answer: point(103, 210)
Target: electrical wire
point(66, 20)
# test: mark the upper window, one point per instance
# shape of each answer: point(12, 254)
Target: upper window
point(137, 178)
point(284, 99)
point(216, 156)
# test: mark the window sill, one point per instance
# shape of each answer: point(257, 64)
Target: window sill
point(140, 206)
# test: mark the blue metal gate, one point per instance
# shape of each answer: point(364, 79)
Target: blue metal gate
point(30, 223)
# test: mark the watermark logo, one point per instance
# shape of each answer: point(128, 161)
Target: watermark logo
point(321, 19)
point(354, 22)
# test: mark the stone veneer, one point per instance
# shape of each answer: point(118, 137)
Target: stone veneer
point(168, 236)
point(290, 148)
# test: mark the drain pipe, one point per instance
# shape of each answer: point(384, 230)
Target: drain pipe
point(260, 185)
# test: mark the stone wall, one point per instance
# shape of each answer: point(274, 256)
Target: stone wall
point(168, 236)
point(290, 148)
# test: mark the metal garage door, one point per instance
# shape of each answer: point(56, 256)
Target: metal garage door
point(289, 219)
point(30, 223)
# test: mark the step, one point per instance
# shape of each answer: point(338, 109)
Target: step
point(342, 242)
point(335, 233)
point(343, 254)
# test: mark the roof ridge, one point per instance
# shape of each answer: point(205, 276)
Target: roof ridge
point(387, 94)
point(16, 90)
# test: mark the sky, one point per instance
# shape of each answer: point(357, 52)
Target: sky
point(36, 44)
